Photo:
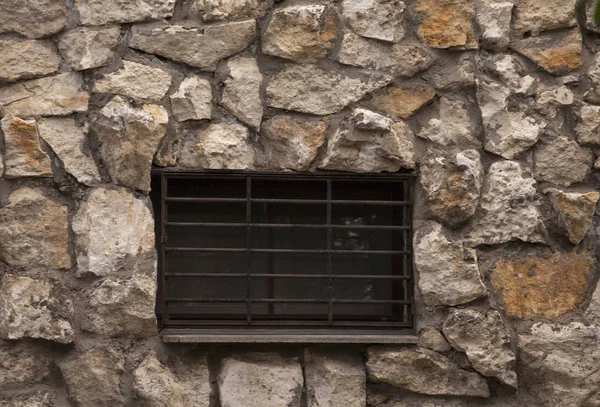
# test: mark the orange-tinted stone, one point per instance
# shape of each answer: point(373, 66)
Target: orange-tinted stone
point(402, 102)
point(447, 23)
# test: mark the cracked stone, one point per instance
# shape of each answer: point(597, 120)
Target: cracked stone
point(379, 19)
point(432, 339)
point(575, 212)
point(23, 153)
point(241, 91)
point(193, 100)
point(87, 48)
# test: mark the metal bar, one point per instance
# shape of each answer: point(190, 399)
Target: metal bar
point(287, 225)
point(290, 251)
point(283, 301)
point(372, 323)
point(289, 201)
point(310, 276)
point(248, 245)
point(329, 257)
point(163, 246)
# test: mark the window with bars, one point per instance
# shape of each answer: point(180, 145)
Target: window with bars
point(283, 251)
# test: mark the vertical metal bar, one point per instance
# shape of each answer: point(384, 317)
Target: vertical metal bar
point(410, 261)
point(163, 244)
point(248, 247)
point(271, 256)
point(329, 260)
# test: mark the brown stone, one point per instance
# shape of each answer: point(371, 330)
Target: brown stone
point(540, 15)
point(402, 101)
point(447, 23)
point(575, 212)
point(32, 18)
point(23, 153)
point(542, 287)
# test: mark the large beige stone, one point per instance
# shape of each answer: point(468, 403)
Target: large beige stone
point(241, 91)
point(199, 47)
point(210, 10)
point(453, 127)
point(379, 19)
point(23, 153)
point(403, 102)
point(447, 23)
point(562, 161)
point(34, 231)
point(100, 12)
point(575, 212)
point(493, 17)
point(26, 59)
point(23, 366)
point(34, 309)
point(87, 48)
point(588, 125)
point(534, 16)
point(193, 100)
point(32, 18)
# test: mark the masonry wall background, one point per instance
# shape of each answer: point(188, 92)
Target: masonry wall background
point(496, 103)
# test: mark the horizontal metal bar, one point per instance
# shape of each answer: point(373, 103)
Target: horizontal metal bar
point(287, 225)
point(289, 201)
point(306, 322)
point(283, 251)
point(262, 275)
point(283, 301)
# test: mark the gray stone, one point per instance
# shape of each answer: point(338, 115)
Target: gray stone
point(58, 95)
point(68, 140)
point(23, 153)
point(334, 379)
point(432, 339)
point(510, 70)
point(534, 16)
point(302, 33)
point(260, 379)
point(137, 81)
point(129, 137)
point(562, 161)
point(403, 59)
point(241, 91)
point(448, 271)
point(193, 100)
point(588, 125)
point(551, 100)
point(327, 91)
point(592, 313)
point(452, 127)
point(422, 371)
point(493, 17)
point(100, 12)
point(199, 47)
point(93, 379)
point(575, 212)
point(593, 73)
point(1, 166)
point(510, 208)
point(87, 48)
point(32, 18)
point(455, 75)
point(210, 10)
point(23, 366)
point(369, 142)
point(37, 399)
point(34, 309)
point(26, 59)
point(379, 19)
point(34, 231)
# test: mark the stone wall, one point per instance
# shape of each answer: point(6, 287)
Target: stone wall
point(496, 104)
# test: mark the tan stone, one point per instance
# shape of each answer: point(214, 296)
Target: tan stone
point(453, 127)
point(534, 16)
point(32, 18)
point(38, 399)
point(379, 19)
point(588, 124)
point(447, 23)
point(26, 59)
point(493, 17)
point(542, 287)
point(23, 154)
point(87, 48)
point(562, 161)
point(210, 10)
point(193, 100)
point(402, 101)
point(575, 212)
point(18, 366)
point(100, 12)
point(241, 91)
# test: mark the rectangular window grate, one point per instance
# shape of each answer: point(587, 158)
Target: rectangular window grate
point(287, 250)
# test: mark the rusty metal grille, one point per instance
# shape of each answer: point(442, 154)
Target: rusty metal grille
point(288, 250)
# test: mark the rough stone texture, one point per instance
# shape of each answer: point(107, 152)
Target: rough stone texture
point(403, 102)
point(34, 231)
point(193, 100)
point(37, 399)
point(201, 48)
point(32, 18)
point(67, 140)
point(511, 72)
point(302, 33)
point(334, 380)
point(23, 366)
point(588, 125)
point(369, 142)
point(562, 161)
point(87, 48)
point(448, 271)
point(100, 12)
point(454, 76)
point(266, 380)
point(34, 309)
point(93, 379)
point(452, 184)
point(493, 17)
point(291, 142)
point(540, 287)
point(452, 127)
point(432, 339)
point(58, 95)
point(23, 154)
point(592, 313)
point(534, 16)
point(575, 211)
point(403, 59)
point(137, 81)
point(593, 73)
point(486, 341)
point(379, 19)
point(551, 100)
point(241, 92)
point(447, 23)
point(423, 371)
point(329, 92)
point(510, 208)
point(26, 59)
point(129, 137)
point(210, 10)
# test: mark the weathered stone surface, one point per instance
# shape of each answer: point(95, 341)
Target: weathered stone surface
point(23, 154)
point(403, 59)
point(593, 73)
point(1, 166)
point(423, 371)
point(334, 380)
point(38, 399)
point(562, 161)
point(34, 309)
point(547, 287)
point(22, 366)
point(266, 380)
point(588, 125)
point(379, 19)
point(210, 10)
point(302, 33)
point(26, 59)
point(452, 184)
point(219, 146)
point(193, 100)
point(447, 23)
point(100, 12)
point(432, 339)
point(486, 341)
point(452, 127)
point(87, 48)
point(137, 81)
point(58, 95)
point(34, 231)
point(129, 137)
point(550, 100)
point(32, 18)
point(510, 208)
point(93, 379)
point(291, 142)
point(329, 92)
point(493, 17)
point(448, 271)
point(511, 72)
point(592, 313)
point(534, 16)
point(575, 211)
point(67, 140)
point(241, 92)
point(455, 75)
point(402, 102)
point(555, 52)
point(369, 142)
point(199, 47)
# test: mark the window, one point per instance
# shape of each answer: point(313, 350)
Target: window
point(283, 252)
